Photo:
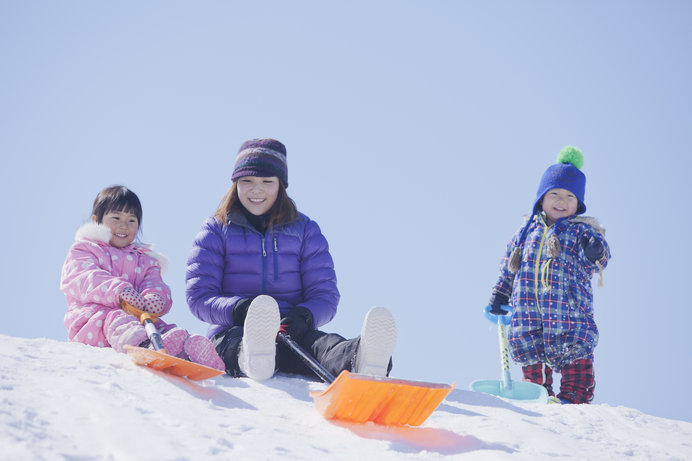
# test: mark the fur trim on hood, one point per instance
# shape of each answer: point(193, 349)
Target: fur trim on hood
point(102, 233)
point(591, 221)
point(588, 220)
point(93, 231)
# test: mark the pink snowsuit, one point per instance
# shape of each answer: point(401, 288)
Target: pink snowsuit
point(93, 275)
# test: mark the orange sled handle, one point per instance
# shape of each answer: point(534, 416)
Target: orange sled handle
point(147, 320)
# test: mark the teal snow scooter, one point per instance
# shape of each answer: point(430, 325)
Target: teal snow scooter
point(506, 388)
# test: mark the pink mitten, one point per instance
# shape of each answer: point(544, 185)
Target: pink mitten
point(153, 303)
point(136, 300)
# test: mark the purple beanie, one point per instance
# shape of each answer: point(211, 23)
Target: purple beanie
point(261, 157)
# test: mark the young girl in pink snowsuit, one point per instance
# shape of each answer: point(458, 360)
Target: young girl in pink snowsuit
point(105, 266)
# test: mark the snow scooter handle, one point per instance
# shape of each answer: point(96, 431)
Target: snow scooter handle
point(502, 320)
point(498, 319)
point(504, 387)
point(147, 320)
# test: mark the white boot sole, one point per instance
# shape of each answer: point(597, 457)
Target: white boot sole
point(377, 341)
point(257, 356)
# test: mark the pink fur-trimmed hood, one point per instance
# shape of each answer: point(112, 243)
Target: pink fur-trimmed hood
point(100, 233)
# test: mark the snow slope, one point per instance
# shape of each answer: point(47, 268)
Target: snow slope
point(67, 401)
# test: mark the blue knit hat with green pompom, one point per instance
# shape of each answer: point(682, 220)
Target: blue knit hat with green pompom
point(565, 174)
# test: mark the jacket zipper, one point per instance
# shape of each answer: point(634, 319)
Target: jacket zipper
point(276, 259)
point(537, 277)
point(264, 255)
point(537, 267)
point(264, 267)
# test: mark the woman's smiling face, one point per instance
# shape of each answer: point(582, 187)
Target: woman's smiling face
point(258, 194)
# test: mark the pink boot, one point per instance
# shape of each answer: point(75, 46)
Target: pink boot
point(173, 340)
point(200, 350)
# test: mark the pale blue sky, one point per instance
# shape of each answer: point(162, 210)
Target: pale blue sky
point(416, 132)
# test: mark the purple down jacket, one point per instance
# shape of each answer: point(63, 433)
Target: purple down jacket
point(232, 261)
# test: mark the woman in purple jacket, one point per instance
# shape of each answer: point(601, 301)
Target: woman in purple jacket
point(259, 266)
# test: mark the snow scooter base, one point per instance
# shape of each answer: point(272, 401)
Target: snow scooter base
point(506, 388)
point(158, 358)
point(360, 398)
point(520, 390)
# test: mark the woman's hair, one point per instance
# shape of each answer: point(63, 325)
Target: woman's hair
point(117, 198)
point(283, 211)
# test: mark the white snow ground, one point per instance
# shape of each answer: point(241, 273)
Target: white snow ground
point(67, 401)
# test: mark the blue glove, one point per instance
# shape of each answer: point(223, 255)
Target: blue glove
point(593, 248)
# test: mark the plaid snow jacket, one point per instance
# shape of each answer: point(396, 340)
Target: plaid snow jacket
point(553, 319)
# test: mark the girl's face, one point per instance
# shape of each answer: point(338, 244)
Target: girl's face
point(258, 194)
point(559, 203)
point(123, 225)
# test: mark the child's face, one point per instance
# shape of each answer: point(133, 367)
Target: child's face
point(123, 225)
point(559, 203)
point(258, 194)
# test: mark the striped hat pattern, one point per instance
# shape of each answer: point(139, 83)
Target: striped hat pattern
point(261, 157)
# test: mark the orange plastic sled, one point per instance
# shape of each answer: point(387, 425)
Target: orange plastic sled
point(359, 398)
point(169, 364)
point(390, 402)
point(158, 358)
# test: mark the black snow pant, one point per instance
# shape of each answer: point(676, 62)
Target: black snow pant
point(332, 351)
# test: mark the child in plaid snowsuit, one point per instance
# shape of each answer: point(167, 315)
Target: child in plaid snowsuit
point(545, 276)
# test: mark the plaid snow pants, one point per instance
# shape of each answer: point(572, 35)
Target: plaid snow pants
point(576, 386)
